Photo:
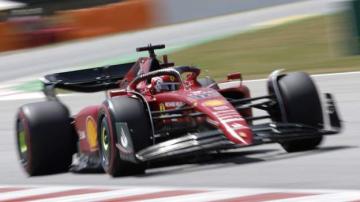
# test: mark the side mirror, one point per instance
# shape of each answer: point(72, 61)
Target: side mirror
point(234, 76)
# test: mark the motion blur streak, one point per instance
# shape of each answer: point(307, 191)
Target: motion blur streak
point(52, 59)
point(334, 166)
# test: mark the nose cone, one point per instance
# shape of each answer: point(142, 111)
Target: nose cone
point(228, 119)
point(220, 113)
point(234, 126)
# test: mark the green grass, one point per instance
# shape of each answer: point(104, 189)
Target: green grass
point(29, 86)
point(314, 45)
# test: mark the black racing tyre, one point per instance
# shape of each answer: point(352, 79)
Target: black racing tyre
point(302, 105)
point(45, 138)
point(124, 129)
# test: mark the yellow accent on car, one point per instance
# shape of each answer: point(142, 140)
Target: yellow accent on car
point(91, 132)
point(214, 103)
point(162, 107)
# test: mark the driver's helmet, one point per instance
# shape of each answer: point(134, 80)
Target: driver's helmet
point(164, 83)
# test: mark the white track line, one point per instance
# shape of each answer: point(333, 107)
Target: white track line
point(317, 75)
point(336, 74)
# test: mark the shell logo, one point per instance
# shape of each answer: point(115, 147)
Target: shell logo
point(91, 132)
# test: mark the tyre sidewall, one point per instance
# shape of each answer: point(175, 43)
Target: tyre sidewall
point(114, 158)
point(49, 137)
point(303, 106)
point(125, 111)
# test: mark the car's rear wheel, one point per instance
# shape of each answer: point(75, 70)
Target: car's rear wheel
point(302, 105)
point(45, 138)
point(124, 130)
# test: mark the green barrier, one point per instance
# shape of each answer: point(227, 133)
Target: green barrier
point(354, 15)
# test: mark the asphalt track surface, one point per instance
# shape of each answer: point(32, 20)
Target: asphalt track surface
point(334, 166)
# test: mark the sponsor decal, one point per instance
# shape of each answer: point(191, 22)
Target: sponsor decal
point(214, 103)
point(202, 94)
point(236, 126)
point(228, 116)
point(232, 121)
point(221, 108)
point(81, 134)
point(162, 107)
point(233, 133)
point(91, 132)
point(124, 137)
point(173, 104)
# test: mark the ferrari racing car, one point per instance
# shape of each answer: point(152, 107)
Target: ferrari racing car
point(155, 110)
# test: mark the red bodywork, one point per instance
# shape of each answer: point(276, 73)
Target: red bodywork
point(209, 100)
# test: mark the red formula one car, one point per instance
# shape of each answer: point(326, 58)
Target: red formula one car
point(155, 110)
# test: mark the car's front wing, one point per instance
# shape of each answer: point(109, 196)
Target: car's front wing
point(262, 133)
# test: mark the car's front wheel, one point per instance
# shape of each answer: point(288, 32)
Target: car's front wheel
point(302, 105)
point(124, 130)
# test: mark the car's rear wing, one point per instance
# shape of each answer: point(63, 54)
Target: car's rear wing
point(86, 80)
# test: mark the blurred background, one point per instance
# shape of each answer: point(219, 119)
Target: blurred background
point(255, 36)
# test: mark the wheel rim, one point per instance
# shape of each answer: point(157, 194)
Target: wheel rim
point(22, 144)
point(105, 139)
point(105, 143)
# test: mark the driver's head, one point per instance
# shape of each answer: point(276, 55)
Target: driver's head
point(165, 83)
